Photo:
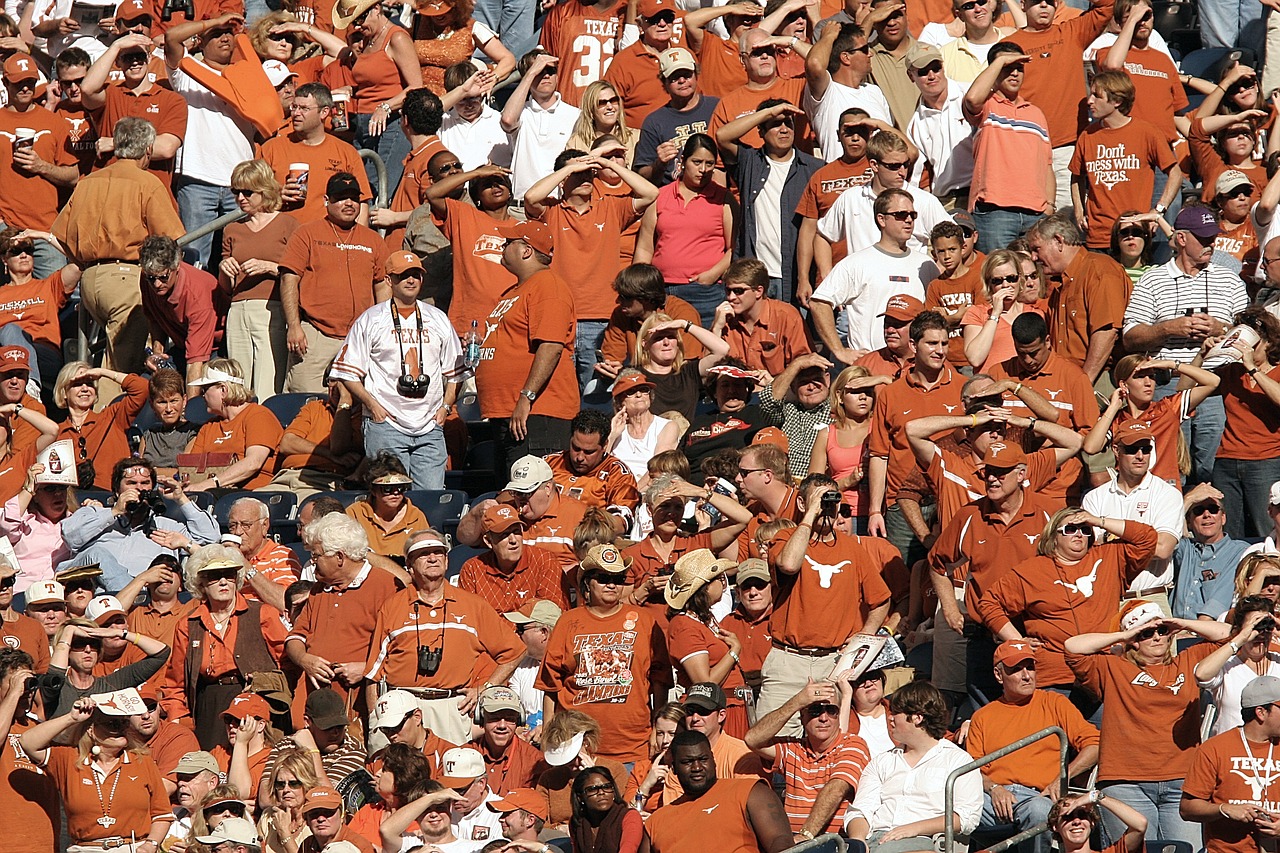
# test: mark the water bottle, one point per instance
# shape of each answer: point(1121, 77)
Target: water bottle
point(473, 345)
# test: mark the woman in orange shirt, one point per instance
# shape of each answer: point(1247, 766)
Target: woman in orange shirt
point(445, 33)
point(1012, 286)
point(241, 427)
point(99, 436)
point(386, 514)
point(401, 780)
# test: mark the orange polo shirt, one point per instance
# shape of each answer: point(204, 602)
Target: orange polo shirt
point(842, 571)
point(777, 338)
point(554, 531)
point(610, 483)
point(388, 538)
point(720, 68)
point(536, 576)
point(170, 742)
point(956, 483)
point(647, 563)
point(904, 400)
point(790, 509)
point(338, 624)
point(464, 627)
point(139, 798)
point(103, 432)
point(588, 248)
point(314, 423)
point(145, 619)
point(1089, 297)
point(1036, 764)
point(754, 634)
point(518, 767)
point(634, 74)
point(978, 547)
point(257, 763)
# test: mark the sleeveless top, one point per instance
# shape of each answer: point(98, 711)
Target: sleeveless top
point(437, 54)
point(841, 461)
point(720, 813)
point(688, 238)
point(635, 453)
point(376, 76)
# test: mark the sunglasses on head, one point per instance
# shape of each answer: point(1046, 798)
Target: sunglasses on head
point(1154, 630)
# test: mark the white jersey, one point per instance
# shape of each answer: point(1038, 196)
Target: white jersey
point(375, 355)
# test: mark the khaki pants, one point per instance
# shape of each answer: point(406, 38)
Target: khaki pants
point(258, 340)
point(304, 482)
point(110, 294)
point(306, 374)
point(781, 677)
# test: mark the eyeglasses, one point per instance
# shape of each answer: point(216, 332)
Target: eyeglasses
point(86, 585)
point(281, 784)
point(894, 167)
point(244, 190)
point(606, 579)
point(605, 102)
point(1078, 527)
point(80, 644)
point(1136, 448)
point(997, 280)
point(23, 249)
point(597, 789)
point(931, 68)
point(289, 37)
point(817, 709)
point(866, 48)
point(903, 215)
point(661, 18)
point(159, 276)
point(1154, 630)
point(743, 472)
point(233, 526)
point(224, 808)
point(776, 123)
point(151, 705)
point(1043, 3)
point(1201, 509)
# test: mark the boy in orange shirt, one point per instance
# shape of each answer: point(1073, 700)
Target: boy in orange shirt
point(957, 288)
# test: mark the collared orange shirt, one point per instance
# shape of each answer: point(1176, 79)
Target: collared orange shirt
point(337, 624)
point(170, 742)
point(28, 635)
point(145, 619)
point(518, 767)
point(112, 211)
point(388, 538)
point(978, 547)
point(464, 627)
point(554, 531)
point(777, 338)
point(536, 576)
point(790, 509)
point(905, 400)
point(610, 483)
point(1090, 296)
point(139, 799)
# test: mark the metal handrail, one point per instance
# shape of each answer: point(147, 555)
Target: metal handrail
point(949, 795)
point(380, 199)
point(209, 227)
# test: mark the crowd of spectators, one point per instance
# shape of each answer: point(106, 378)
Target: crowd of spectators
point(614, 426)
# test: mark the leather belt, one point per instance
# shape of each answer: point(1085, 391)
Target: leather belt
point(223, 680)
point(1153, 590)
point(106, 843)
point(100, 261)
point(809, 652)
point(432, 692)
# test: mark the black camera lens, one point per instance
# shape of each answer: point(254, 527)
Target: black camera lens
point(413, 386)
point(429, 660)
point(1265, 624)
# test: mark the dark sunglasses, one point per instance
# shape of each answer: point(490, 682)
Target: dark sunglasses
point(1078, 814)
point(8, 583)
point(1242, 191)
point(970, 6)
point(133, 57)
point(997, 280)
point(597, 789)
point(903, 215)
point(242, 191)
point(211, 575)
point(1201, 509)
point(752, 584)
point(281, 784)
point(79, 644)
point(1136, 447)
point(817, 709)
point(394, 489)
point(1078, 527)
point(1132, 232)
point(764, 51)
point(866, 48)
point(855, 130)
point(1161, 630)
point(111, 724)
point(23, 249)
point(289, 37)
point(86, 585)
point(894, 167)
point(222, 808)
point(779, 122)
point(661, 18)
point(1271, 580)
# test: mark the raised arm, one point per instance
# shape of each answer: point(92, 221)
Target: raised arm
point(731, 132)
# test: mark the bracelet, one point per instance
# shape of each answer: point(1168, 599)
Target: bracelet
point(1234, 647)
point(687, 325)
point(973, 420)
point(736, 657)
point(804, 833)
point(1221, 811)
point(1017, 388)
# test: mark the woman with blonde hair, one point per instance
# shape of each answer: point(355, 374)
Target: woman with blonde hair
point(212, 662)
point(99, 437)
point(281, 797)
point(1147, 689)
point(77, 651)
point(636, 434)
point(445, 33)
point(222, 802)
point(569, 744)
point(602, 115)
point(1257, 574)
point(647, 787)
point(988, 326)
point(239, 426)
point(282, 37)
point(249, 275)
point(840, 448)
point(659, 355)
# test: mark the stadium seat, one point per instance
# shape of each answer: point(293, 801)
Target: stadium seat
point(281, 505)
point(197, 412)
point(1163, 845)
point(1176, 23)
point(443, 508)
point(458, 555)
point(286, 406)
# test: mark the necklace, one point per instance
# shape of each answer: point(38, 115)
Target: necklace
point(106, 821)
point(1260, 783)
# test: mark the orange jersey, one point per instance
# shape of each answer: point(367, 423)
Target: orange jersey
point(275, 561)
point(479, 278)
point(584, 38)
point(611, 484)
point(536, 576)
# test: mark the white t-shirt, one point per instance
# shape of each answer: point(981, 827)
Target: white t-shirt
point(875, 731)
point(852, 218)
point(217, 139)
point(541, 136)
point(768, 210)
point(522, 681)
point(480, 825)
point(862, 284)
point(1153, 502)
point(477, 142)
point(1227, 686)
point(824, 114)
point(945, 138)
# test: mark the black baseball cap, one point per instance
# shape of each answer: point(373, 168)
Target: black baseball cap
point(343, 185)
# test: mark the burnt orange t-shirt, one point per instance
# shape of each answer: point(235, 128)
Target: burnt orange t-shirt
point(536, 576)
point(34, 306)
point(105, 441)
point(588, 250)
point(956, 294)
point(28, 796)
point(338, 268)
point(619, 342)
point(744, 101)
point(1230, 768)
point(605, 667)
point(82, 137)
point(1055, 77)
point(825, 186)
point(412, 189)
point(841, 571)
point(479, 278)
point(27, 200)
point(1036, 764)
point(255, 426)
point(1118, 166)
point(1158, 94)
point(257, 763)
point(163, 107)
point(28, 635)
point(314, 423)
point(324, 161)
point(1164, 418)
point(1252, 430)
point(538, 310)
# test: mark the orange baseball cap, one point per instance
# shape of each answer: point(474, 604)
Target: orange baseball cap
point(525, 799)
point(401, 262)
point(248, 705)
point(20, 66)
point(630, 383)
point(1012, 651)
point(14, 357)
point(535, 233)
point(1134, 431)
point(1001, 454)
point(500, 518)
point(902, 307)
point(322, 798)
point(771, 435)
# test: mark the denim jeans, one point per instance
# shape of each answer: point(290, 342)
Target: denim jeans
point(424, 456)
point(1163, 252)
point(1202, 432)
point(1232, 23)
point(392, 146)
point(199, 203)
point(45, 360)
point(1158, 803)
point(1030, 808)
point(703, 297)
point(998, 228)
point(902, 537)
point(512, 20)
point(1245, 485)
point(586, 354)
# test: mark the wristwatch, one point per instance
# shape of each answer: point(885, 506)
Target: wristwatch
point(250, 573)
point(1161, 208)
point(528, 395)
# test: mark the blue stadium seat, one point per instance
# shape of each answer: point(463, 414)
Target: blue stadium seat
point(443, 509)
point(286, 406)
point(281, 505)
point(197, 411)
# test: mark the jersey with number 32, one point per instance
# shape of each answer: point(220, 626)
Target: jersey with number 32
point(583, 38)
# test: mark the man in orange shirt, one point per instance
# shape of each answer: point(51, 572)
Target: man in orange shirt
point(588, 473)
point(1019, 789)
point(28, 795)
point(510, 762)
point(511, 574)
point(634, 70)
point(167, 741)
point(765, 333)
point(324, 154)
point(70, 68)
point(330, 274)
point(18, 631)
point(420, 118)
point(526, 374)
point(271, 566)
point(764, 479)
point(719, 59)
point(758, 51)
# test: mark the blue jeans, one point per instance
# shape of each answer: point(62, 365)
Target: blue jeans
point(199, 203)
point(1245, 485)
point(1158, 803)
point(703, 297)
point(424, 456)
point(512, 20)
point(45, 361)
point(1202, 432)
point(1030, 808)
point(998, 228)
point(1163, 251)
point(586, 354)
point(392, 146)
point(1232, 23)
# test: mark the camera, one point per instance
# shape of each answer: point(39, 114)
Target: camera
point(429, 660)
point(413, 386)
point(187, 7)
point(1265, 624)
point(149, 500)
point(830, 502)
point(689, 520)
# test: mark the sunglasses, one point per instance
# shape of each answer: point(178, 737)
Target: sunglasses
point(866, 48)
point(997, 280)
point(970, 6)
point(1136, 447)
point(9, 582)
point(24, 249)
point(80, 644)
point(1239, 192)
point(245, 191)
point(325, 813)
point(817, 709)
point(1078, 527)
point(893, 167)
point(1201, 509)
point(764, 51)
point(854, 130)
point(752, 584)
point(737, 291)
point(224, 808)
point(293, 39)
point(211, 575)
point(1271, 580)
point(112, 724)
point(661, 18)
point(281, 784)
point(1156, 630)
point(606, 579)
point(597, 789)
point(867, 392)
point(399, 489)
point(1125, 233)
point(903, 215)
point(1078, 814)
point(80, 586)
point(776, 123)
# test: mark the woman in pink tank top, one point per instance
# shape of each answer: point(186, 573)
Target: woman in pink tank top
point(840, 449)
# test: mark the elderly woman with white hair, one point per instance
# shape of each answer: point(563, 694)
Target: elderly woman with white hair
point(239, 426)
point(223, 641)
point(331, 637)
point(1148, 692)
